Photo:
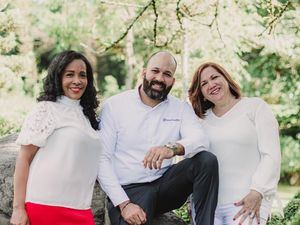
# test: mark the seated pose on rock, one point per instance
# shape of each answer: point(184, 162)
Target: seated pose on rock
point(142, 130)
point(243, 134)
point(57, 164)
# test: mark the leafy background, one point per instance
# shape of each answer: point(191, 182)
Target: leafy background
point(258, 42)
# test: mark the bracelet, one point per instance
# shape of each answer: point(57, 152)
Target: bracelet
point(125, 206)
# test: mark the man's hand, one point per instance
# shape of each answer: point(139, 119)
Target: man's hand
point(155, 157)
point(251, 206)
point(132, 213)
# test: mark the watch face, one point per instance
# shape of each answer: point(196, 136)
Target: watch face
point(172, 146)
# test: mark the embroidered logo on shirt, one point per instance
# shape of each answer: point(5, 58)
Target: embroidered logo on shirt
point(170, 120)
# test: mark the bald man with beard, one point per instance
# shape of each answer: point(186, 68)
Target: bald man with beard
point(142, 130)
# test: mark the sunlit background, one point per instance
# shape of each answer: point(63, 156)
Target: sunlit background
point(258, 42)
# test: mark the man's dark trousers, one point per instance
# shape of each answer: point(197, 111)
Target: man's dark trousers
point(197, 175)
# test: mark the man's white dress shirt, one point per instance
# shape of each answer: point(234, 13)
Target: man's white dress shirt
point(129, 128)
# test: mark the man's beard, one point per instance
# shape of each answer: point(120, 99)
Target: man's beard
point(158, 95)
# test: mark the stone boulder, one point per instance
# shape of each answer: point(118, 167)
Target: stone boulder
point(8, 153)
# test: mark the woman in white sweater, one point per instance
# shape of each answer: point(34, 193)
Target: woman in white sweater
point(57, 165)
point(244, 136)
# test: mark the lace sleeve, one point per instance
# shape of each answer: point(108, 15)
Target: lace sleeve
point(38, 125)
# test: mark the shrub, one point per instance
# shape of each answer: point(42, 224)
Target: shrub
point(291, 213)
point(296, 219)
point(276, 220)
point(7, 127)
point(183, 213)
point(297, 195)
point(290, 164)
point(291, 209)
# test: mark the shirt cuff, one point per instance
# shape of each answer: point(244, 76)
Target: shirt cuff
point(192, 149)
point(117, 199)
point(258, 190)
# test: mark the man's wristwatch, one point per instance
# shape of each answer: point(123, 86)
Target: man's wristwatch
point(173, 147)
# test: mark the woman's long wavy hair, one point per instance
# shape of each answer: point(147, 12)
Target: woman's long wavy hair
point(196, 97)
point(53, 84)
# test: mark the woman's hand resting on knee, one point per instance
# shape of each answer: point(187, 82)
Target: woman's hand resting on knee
point(251, 207)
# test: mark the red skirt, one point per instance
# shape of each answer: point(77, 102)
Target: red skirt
point(56, 215)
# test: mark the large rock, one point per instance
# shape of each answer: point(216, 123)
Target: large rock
point(7, 159)
point(8, 153)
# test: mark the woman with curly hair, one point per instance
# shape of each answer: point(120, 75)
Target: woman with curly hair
point(243, 134)
point(57, 165)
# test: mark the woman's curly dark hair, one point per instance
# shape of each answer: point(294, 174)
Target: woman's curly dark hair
point(53, 84)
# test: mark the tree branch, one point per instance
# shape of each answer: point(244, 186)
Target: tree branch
point(215, 20)
point(217, 24)
point(186, 12)
point(121, 4)
point(4, 7)
point(272, 23)
point(129, 27)
point(179, 14)
point(155, 21)
point(175, 34)
point(112, 45)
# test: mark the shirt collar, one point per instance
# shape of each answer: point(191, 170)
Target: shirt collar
point(137, 95)
point(68, 101)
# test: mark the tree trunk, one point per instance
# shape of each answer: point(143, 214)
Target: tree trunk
point(130, 59)
point(184, 60)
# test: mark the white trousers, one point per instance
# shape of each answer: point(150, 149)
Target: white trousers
point(224, 214)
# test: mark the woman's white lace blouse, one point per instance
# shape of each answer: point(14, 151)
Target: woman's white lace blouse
point(64, 169)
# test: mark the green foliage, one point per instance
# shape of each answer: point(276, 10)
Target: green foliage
point(112, 87)
point(8, 25)
point(276, 220)
point(7, 127)
point(290, 155)
point(291, 213)
point(276, 79)
point(297, 196)
point(55, 6)
point(296, 219)
point(110, 64)
point(65, 25)
point(272, 11)
point(17, 64)
point(291, 209)
point(183, 213)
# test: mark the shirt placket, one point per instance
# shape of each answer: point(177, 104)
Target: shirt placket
point(152, 124)
point(149, 137)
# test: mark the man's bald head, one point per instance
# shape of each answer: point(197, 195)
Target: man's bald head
point(158, 75)
point(164, 55)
